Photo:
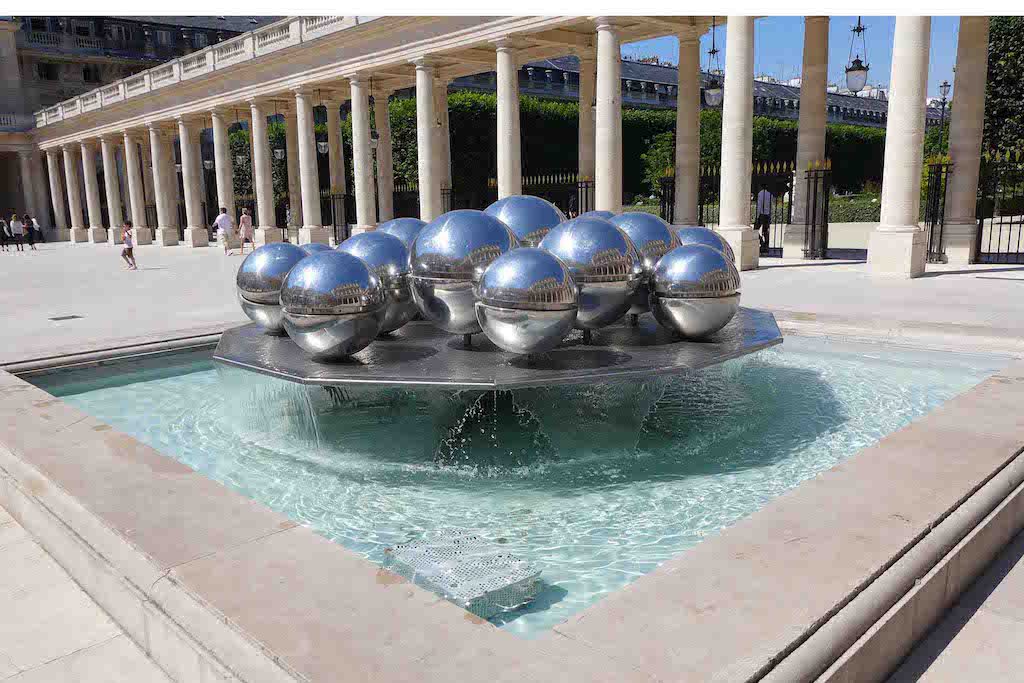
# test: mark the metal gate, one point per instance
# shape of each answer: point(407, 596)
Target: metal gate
point(1001, 209)
point(935, 209)
point(775, 178)
point(819, 188)
point(667, 210)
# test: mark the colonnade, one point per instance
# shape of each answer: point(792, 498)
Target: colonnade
point(896, 247)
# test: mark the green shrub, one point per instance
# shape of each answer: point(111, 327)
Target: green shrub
point(858, 208)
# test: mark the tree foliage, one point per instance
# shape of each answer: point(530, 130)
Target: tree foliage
point(1004, 94)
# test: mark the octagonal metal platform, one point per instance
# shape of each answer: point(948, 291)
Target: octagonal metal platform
point(420, 354)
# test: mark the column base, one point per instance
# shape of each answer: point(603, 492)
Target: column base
point(78, 235)
point(898, 254)
point(115, 236)
point(745, 246)
point(793, 241)
point(98, 235)
point(166, 237)
point(196, 237)
point(143, 236)
point(267, 236)
point(961, 242)
point(313, 234)
point(59, 235)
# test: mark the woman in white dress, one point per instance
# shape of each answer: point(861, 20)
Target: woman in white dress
point(245, 231)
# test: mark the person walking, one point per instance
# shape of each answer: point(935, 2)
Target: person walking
point(17, 231)
point(245, 231)
point(5, 233)
point(128, 252)
point(30, 232)
point(764, 217)
point(225, 231)
point(39, 230)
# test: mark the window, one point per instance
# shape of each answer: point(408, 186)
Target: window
point(39, 24)
point(163, 37)
point(83, 28)
point(91, 73)
point(118, 32)
point(47, 71)
point(200, 40)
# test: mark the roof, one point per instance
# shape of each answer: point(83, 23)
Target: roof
point(238, 24)
point(669, 75)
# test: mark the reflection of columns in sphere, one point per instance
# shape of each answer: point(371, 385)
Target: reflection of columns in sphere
point(527, 301)
point(653, 238)
point(530, 218)
point(695, 290)
point(388, 257)
point(697, 234)
point(604, 264)
point(333, 305)
point(404, 229)
point(259, 281)
point(314, 247)
point(449, 255)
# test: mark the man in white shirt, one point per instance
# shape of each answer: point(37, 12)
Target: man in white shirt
point(764, 217)
point(225, 229)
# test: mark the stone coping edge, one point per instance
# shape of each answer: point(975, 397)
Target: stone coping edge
point(867, 639)
point(113, 353)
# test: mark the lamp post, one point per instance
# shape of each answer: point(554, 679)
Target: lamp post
point(713, 90)
point(944, 91)
point(857, 71)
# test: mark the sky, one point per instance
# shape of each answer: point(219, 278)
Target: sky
point(778, 48)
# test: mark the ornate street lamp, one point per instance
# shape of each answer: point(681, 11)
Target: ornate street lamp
point(857, 71)
point(241, 159)
point(208, 164)
point(713, 89)
point(321, 146)
point(944, 91)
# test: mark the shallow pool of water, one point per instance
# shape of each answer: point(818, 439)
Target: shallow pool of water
point(595, 485)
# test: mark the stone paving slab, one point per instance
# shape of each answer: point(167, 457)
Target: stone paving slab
point(50, 630)
point(981, 639)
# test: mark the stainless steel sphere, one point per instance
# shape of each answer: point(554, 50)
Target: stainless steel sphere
point(404, 229)
point(698, 234)
point(314, 248)
point(448, 256)
point(526, 301)
point(604, 264)
point(388, 257)
point(653, 238)
point(607, 215)
point(259, 280)
point(529, 217)
point(333, 304)
point(695, 290)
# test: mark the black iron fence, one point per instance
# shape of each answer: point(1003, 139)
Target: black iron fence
point(564, 189)
point(1000, 210)
point(406, 200)
point(337, 211)
point(935, 209)
point(819, 189)
point(151, 217)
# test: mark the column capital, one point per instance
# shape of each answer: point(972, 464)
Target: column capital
point(605, 23)
point(359, 79)
point(305, 90)
point(424, 63)
point(159, 127)
point(26, 153)
point(87, 143)
point(508, 43)
point(116, 138)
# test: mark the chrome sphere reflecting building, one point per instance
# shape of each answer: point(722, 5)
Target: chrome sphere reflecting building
point(607, 215)
point(695, 290)
point(526, 301)
point(259, 281)
point(653, 238)
point(698, 234)
point(333, 304)
point(314, 248)
point(530, 218)
point(404, 229)
point(448, 256)
point(603, 263)
point(388, 257)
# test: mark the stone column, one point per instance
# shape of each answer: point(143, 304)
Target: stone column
point(444, 138)
point(309, 177)
point(385, 162)
point(262, 176)
point(41, 189)
point(97, 233)
point(810, 140)
point(147, 173)
point(78, 233)
point(362, 156)
point(426, 140)
point(133, 173)
point(196, 233)
point(291, 141)
point(165, 234)
point(588, 69)
point(510, 164)
point(899, 246)
point(28, 188)
point(687, 166)
point(223, 164)
point(737, 141)
point(108, 149)
point(966, 125)
point(336, 159)
point(608, 147)
point(61, 232)
point(173, 197)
